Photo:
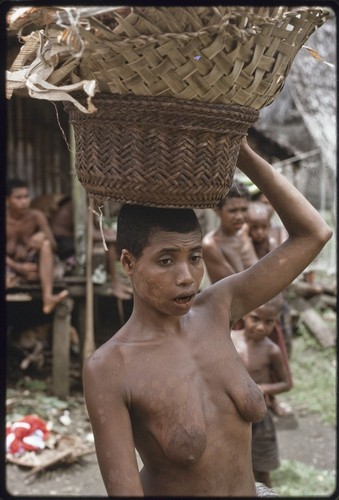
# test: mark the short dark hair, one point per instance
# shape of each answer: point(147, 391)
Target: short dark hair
point(12, 184)
point(237, 190)
point(137, 223)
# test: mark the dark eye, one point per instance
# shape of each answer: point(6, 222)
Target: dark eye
point(196, 258)
point(166, 261)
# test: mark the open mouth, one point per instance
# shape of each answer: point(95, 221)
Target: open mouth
point(184, 299)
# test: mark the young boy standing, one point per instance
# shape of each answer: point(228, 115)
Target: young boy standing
point(228, 249)
point(262, 359)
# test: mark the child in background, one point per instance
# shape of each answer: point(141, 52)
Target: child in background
point(259, 226)
point(262, 358)
point(228, 249)
point(277, 230)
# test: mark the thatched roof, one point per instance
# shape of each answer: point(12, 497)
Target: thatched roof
point(303, 116)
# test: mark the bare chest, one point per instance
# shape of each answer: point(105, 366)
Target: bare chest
point(257, 362)
point(179, 401)
point(20, 231)
point(235, 250)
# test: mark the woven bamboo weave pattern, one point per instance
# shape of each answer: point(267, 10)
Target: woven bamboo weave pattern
point(159, 151)
point(239, 55)
point(242, 58)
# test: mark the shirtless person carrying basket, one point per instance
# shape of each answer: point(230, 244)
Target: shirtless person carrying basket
point(170, 382)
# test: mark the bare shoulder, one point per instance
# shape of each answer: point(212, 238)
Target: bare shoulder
point(209, 240)
point(105, 363)
point(37, 214)
point(273, 348)
point(214, 301)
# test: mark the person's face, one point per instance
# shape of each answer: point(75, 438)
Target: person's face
point(233, 214)
point(19, 200)
point(168, 274)
point(265, 201)
point(259, 323)
point(258, 228)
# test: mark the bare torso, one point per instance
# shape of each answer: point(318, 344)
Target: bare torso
point(192, 424)
point(255, 355)
point(62, 221)
point(237, 248)
point(18, 234)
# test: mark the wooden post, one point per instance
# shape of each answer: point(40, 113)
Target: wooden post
point(79, 200)
point(89, 342)
point(61, 347)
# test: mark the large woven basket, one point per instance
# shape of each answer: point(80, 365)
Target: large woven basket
point(231, 54)
point(158, 151)
point(178, 89)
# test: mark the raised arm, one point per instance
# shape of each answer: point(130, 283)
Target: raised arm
point(308, 233)
point(109, 415)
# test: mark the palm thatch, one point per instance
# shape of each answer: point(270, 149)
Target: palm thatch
point(303, 117)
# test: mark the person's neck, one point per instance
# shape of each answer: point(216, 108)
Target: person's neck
point(13, 214)
point(155, 324)
point(229, 233)
point(250, 340)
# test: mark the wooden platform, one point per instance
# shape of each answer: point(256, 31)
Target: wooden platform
point(61, 322)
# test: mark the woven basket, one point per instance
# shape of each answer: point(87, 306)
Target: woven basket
point(239, 55)
point(158, 151)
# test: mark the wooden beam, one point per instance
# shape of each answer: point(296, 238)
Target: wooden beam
point(314, 322)
point(61, 347)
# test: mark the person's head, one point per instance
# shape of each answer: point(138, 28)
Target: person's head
point(161, 252)
point(261, 198)
point(258, 220)
point(260, 322)
point(17, 195)
point(232, 209)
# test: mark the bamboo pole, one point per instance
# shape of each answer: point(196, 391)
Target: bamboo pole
point(79, 211)
point(89, 342)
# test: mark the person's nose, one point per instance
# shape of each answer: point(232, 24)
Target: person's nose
point(184, 275)
point(260, 326)
point(239, 216)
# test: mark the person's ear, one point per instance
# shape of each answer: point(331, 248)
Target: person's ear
point(127, 262)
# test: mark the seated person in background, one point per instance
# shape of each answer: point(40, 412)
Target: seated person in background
point(228, 249)
point(62, 224)
point(30, 245)
point(262, 358)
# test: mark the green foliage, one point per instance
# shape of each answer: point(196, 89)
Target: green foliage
point(314, 376)
point(298, 479)
point(314, 391)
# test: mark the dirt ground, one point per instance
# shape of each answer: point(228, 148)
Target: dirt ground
point(301, 437)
